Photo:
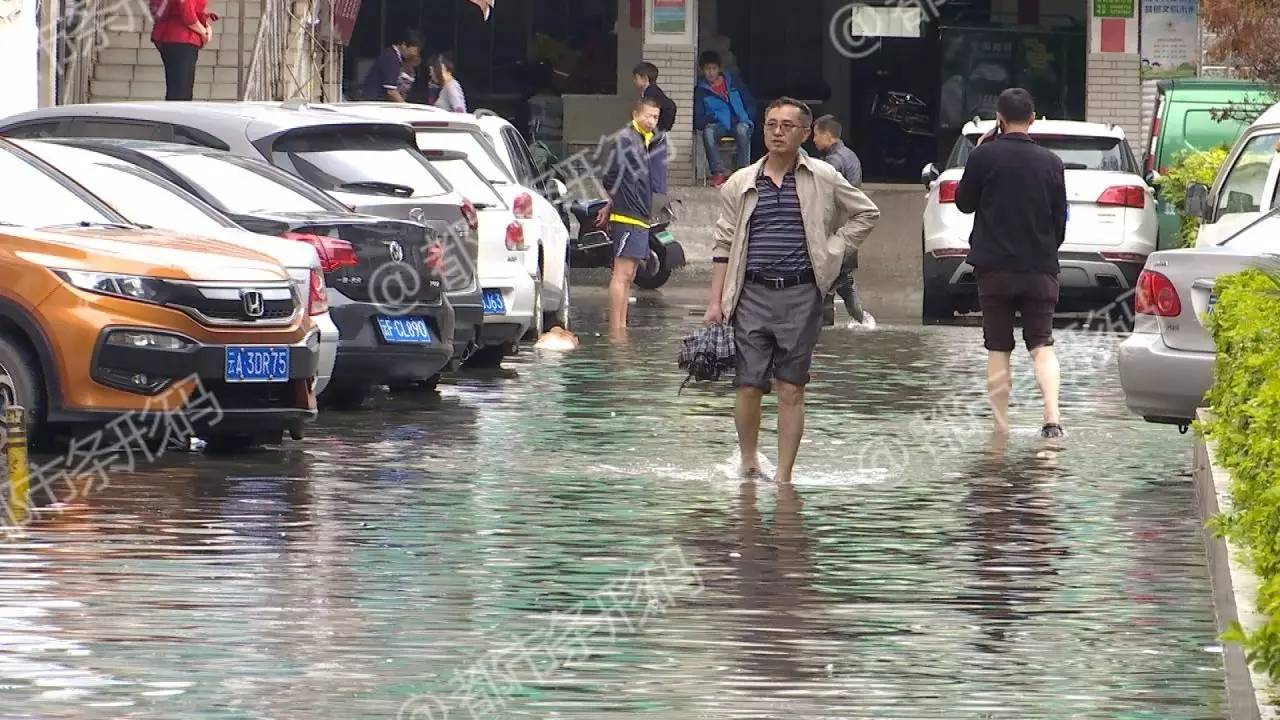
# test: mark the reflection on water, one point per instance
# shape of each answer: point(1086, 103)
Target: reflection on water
point(948, 576)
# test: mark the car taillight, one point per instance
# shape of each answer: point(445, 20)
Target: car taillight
point(523, 206)
point(335, 253)
point(947, 191)
point(1157, 296)
point(515, 237)
point(1124, 196)
point(317, 298)
point(469, 212)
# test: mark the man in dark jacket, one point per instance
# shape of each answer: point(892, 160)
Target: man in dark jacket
point(645, 77)
point(1018, 193)
point(722, 106)
point(382, 82)
point(634, 169)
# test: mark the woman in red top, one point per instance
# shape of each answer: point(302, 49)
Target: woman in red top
point(182, 27)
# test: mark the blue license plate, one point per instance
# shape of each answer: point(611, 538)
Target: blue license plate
point(405, 330)
point(257, 364)
point(493, 303)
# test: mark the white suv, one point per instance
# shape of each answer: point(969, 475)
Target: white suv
point(489, 142)
point(1111, 222)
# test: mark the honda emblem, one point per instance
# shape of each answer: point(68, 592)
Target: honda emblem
point(254, 304)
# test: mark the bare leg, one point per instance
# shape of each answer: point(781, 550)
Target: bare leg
point(790, 427)
point(746, 416)
point(999, 381)
point(624, 272)
point(1048, 377)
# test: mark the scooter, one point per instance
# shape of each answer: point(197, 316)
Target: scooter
point(593, 248)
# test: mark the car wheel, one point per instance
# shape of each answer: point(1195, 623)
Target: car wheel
point(344, 397)
point(536, 322)
point(487, 357)
point(560, 318)
point(22, 384)
point(936, 305)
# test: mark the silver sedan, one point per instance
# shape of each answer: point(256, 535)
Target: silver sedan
point(1166, 366)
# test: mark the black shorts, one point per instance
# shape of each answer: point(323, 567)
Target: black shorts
point(629, 241)
point(1003, 293)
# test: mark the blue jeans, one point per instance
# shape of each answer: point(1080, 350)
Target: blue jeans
point(711, 135)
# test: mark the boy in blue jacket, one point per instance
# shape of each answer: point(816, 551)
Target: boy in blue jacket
point(722, 105)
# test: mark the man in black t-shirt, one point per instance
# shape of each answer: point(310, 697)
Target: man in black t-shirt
point(1017, 192)
point(645, 77)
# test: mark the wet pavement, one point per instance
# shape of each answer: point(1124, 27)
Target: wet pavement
point(915, 570)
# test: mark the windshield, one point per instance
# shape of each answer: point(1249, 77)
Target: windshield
point(31, 198)
point(465, 180)
point(238, 189)
point(473, 145)
point(357, 159)
point(138, 195)
point(1077, 152)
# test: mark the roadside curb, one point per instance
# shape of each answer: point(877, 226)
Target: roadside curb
point(1234, 589)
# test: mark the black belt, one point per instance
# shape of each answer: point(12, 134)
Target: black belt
point(778, 282)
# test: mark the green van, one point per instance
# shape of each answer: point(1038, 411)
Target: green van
point(1183, 121)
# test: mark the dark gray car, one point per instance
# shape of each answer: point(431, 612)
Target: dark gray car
point(369, 166)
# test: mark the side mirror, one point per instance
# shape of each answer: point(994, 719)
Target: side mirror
point(1153, 178)
point(557, 188)
point(929, 174)
point(1197, 203)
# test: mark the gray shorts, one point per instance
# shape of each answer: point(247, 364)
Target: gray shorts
point(629, 241)
point(775, 332)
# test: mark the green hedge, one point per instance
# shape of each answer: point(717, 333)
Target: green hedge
point(1189, 167)
point(1245, 401)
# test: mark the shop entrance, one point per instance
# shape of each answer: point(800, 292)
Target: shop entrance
point(903, 97)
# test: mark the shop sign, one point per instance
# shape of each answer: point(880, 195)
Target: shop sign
point(1113, 8)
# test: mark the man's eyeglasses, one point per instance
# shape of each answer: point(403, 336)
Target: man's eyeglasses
point(774, 126)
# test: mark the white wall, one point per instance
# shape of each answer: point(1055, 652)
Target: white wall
point(19, 42)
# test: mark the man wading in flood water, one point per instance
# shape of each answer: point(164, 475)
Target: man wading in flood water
point(786, 225)
point(1017, 191)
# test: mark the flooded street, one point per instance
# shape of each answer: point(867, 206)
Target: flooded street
point(915, 569)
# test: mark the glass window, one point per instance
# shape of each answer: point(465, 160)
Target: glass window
point(34, 130)
point(467, 182)
point(473, 144)
point(141, 197)
point(519, 156)
point(31, 198)
point(1245, 185)
point(357, 159)
point(1077, 152)
point(240, 190)
point(91, 127)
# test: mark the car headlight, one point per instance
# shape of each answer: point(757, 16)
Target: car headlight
point(132, 287)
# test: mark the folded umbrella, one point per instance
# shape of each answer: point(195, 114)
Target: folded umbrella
point(707, 354)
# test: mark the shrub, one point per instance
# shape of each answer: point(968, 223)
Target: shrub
point(1190, 167)
point(1245, 400)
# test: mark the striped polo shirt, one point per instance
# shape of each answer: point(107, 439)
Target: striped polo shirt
point(775, 237)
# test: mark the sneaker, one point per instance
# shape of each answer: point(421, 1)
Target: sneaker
point(1052, 430)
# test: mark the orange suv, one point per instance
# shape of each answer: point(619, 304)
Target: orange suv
point(100, 318)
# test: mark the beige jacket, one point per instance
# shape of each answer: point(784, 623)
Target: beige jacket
point(837, 218)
